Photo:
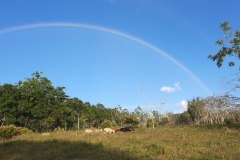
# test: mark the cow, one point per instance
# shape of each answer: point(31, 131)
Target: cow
point(93, 130)
point(97, 130)
point(45, 134)
point(88, 130)
point(109, 130)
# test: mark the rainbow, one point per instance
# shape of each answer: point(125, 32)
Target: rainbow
point(115, 32)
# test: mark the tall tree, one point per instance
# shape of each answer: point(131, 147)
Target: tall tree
point(40, 103)
point(9, 97)
point(218, 108)
point(142, 117)
point(196, 109)
point(77, 107)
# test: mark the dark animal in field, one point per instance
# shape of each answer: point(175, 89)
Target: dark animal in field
point(125, 129)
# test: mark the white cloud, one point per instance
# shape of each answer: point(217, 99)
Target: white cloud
point(183, 104)
point(182, 107)
point(167, 89)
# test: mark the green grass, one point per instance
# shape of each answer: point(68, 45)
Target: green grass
point(161, 143)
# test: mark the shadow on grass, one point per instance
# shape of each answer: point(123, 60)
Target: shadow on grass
point(60, 150)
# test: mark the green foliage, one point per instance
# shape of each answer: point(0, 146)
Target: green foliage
point(164, 121)
point(108, 124)
point(196, 109)
point(185, 118)
point(8, 132)
point(34, 103)
point(118, 115)
point(150, 122)
point(232, 123)
point(38, 105)
point(132, 120)
point(229, 46)
point(9, 98)
point(141, 116)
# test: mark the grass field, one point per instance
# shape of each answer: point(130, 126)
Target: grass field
point(160, 143)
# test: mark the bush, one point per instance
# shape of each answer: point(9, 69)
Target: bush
point(185, 118)
point(232, 123)
point(164, 121)
point(8, 132)
point(150, 123)
point(131, 120)
point(108, 124)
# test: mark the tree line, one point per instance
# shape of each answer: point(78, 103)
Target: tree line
point(36, 104)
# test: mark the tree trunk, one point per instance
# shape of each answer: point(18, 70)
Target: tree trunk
point(65, 125)
point(78, 122)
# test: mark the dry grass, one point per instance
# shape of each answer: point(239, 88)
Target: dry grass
point(161, 143)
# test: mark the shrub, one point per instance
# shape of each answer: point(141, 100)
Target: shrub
point(131, 120)
point(232, 123)
point(150, 123)
point(164, 121)
point(108, 124)
point(185, 118)
point(8, 132)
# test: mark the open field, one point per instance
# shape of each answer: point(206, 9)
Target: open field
point(160, 143)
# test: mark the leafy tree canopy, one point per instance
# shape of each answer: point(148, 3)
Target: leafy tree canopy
point(229, 46)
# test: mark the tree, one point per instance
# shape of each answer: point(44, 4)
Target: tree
point(153, 118)
point(218, 108)
point(40, 103)
point(9, 97)
point(118, 114)
point(196, 109)
point(156, 116)
point(102, 113)
point(185, 118)
point(229, 46)
point(36, 104)
point(232, 89)
point(142, 117)
point(77, 107)
point(108, 124)
point(89, 114)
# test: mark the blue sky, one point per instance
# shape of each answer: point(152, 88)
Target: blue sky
point(99, 66)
